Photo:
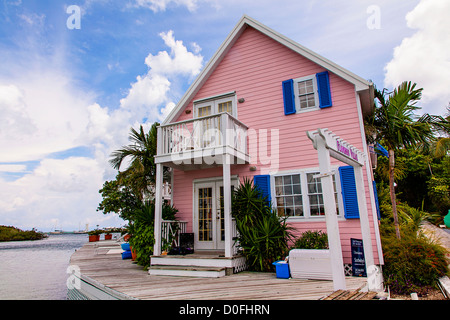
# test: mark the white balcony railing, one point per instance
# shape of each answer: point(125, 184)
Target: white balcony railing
point(185, 137)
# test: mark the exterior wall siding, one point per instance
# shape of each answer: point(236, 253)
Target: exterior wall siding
point(255, 67)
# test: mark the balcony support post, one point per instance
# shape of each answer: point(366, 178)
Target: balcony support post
point(158, 209)
point(227, 206)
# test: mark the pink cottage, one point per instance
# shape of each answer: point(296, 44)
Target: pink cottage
point(266, 108)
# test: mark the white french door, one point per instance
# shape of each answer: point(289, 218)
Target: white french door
point(209, 223)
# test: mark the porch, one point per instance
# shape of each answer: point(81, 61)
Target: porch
point(200, 263)
point(219, 140)
point(104, 271)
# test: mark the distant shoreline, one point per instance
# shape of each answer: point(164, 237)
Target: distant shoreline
point(9, 233)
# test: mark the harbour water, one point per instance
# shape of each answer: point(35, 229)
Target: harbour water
point(37, 270)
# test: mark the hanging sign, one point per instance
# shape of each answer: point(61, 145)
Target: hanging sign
point(339, 148)
point(358, 261)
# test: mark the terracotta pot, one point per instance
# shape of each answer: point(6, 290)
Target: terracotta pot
point(108, 236)
point(126, 237)
point(133, 254)
point(94, 238)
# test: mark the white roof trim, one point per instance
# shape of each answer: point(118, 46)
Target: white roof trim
point(360, 83)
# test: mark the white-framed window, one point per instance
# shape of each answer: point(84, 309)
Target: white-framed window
point(306, 96)
point(298, 194)
point(215, 105)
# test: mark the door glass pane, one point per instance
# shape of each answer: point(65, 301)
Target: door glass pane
point(204, 111)
point(205, 214)
point(225, 107)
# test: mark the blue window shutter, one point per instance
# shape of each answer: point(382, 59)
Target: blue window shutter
point(375, 193)
point(262, 182)
point(349, 195)
point(323, 87)
point(288, 97)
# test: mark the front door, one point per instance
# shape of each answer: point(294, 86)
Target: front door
point(209, 220)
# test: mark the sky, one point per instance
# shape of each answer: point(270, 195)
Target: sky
point(75, 76)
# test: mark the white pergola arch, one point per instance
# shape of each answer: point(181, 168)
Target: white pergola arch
point(329, 145)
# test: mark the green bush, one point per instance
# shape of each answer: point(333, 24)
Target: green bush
point(412, 264)
point(263, 236)
point(311, 240)
point(141, 228)
point(8, 233)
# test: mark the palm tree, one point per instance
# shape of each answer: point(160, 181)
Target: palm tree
point(397, 126)
point(142, 169)
point(442, 146)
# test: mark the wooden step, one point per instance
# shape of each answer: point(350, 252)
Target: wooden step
point(187, 271)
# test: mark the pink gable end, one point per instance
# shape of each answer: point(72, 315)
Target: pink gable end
point(254, 68)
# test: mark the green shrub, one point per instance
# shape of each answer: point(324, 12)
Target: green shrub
point(412, 264)
point(311, 240)
point(263, 236)
point(8, 233)
point(141, 229)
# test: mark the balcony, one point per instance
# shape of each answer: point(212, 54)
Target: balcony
point(202, 142)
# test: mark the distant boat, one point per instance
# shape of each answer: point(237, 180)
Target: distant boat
point(56, 232)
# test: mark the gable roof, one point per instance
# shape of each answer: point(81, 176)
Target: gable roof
point(362, 86)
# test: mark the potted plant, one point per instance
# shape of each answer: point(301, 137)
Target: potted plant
point(108, 235)
point(94, 235)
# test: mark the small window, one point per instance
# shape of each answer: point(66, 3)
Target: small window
point(203, 111)
point(226, 107)
point(306, 97)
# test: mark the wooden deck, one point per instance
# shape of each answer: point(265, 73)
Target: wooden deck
point(102, 262)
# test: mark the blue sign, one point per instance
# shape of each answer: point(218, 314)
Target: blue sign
point(358, 261)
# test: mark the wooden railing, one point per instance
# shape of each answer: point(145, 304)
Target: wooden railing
point(170, 232)
point(207, 132)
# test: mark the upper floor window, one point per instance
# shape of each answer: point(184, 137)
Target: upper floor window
point(307, 93)
point(306, 97)
point(214, 105)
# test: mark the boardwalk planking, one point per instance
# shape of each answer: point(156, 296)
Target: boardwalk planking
point(132, 280)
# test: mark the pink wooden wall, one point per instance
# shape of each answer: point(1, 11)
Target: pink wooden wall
point(255, 67)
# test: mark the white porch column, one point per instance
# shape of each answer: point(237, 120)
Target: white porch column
point(334, 239)
point(227, 205)
point(364, 221)
point(158, 209)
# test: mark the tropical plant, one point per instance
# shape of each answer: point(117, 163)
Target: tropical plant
point(311, 239)
point(118, 197)
point(141, 172)
point(396, 125)
point(412, 264)
point(262, 235)
point(141, 229)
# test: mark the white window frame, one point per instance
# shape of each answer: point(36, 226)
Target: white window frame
point(214, 103)
point(315, 90)
point(305, 197)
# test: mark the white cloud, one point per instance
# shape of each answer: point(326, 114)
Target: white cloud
point(12, 167)
point(43, 113)
point(57, 190)
point(151, 91)
point(161, 5)
point(178, 62)
point(424, 57)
